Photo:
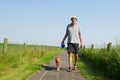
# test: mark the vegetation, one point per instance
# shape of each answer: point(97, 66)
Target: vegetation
point(103, 61)
point(18, 63)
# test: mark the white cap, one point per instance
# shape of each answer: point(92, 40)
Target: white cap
point(74, 17)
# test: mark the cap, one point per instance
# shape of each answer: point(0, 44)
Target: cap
point(74, 17)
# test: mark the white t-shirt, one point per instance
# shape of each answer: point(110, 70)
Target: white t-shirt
point(73, 33)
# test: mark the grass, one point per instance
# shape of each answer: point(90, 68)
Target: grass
point(89, 72)
point(100, 64)
point(18, 64)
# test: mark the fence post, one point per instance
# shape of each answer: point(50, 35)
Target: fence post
point(84, 48)
point(5, 45)
point(36, 47)
point(92, 46)
point(25, 47)
point(109, 46)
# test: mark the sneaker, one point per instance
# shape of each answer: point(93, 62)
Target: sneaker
point(75, 67)
point(69, 69)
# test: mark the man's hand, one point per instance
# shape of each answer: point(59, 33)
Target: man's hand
point(65, 36)
point(81, 46)
point(62, 42)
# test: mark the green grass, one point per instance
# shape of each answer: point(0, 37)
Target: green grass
point(18, 64)
point(89, 72)
point(101, 62)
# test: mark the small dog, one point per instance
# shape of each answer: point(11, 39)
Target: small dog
point(58, 61)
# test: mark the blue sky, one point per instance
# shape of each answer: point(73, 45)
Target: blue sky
point(44, 21)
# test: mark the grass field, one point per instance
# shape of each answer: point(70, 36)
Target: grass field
point(98, 62)
point(18, 64)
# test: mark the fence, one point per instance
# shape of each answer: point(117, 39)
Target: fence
point(37, 47)
point(109, 46)
point(5, 47)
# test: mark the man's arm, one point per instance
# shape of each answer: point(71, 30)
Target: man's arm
point(65, 36)
point(81, 44)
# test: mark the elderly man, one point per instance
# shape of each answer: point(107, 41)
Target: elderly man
point(74, 38)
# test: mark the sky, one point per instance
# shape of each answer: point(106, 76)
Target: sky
point(44, 22)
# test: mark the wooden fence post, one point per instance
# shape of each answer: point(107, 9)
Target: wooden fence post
point(92, 46)
point(25, 47)
point(84, 48)
point(109, 46)
point(5, 45)
point(36, 47)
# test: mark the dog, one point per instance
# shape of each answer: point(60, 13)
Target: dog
point(58, 61)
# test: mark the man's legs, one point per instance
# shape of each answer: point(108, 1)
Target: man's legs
point(70, 59)
point(76, 48)
point(76, 59)
point(70, 50)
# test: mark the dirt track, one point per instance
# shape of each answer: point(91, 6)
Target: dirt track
point(49, 72)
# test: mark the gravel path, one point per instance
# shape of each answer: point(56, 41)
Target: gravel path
point(49, 72)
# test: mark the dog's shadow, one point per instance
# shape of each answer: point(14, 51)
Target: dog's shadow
point(49, 68)
point(52, 68)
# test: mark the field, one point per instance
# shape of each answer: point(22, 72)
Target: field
point(20, 61)
point(101, 61)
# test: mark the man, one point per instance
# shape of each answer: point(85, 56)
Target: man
point(74, 38)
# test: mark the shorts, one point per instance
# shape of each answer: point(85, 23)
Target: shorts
point(73, 48)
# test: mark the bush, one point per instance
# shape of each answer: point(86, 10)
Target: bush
point(107, 62)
